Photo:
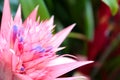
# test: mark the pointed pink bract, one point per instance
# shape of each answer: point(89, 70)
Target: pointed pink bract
point(6, 17)
point(60, 36)
point(32, 16)
point(17, 18)
point(59, 70)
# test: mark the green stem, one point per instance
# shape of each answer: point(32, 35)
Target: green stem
point(77, 36)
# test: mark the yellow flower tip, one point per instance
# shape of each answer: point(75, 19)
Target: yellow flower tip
point(37, 7)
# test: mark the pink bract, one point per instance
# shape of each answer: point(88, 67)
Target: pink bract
point(28, 49)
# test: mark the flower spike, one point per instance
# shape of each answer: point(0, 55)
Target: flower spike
point(28, 49)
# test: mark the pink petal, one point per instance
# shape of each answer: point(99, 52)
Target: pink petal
point(27, 57)
point(21, 77)
point(60, 36)
point(15, 61)
point(17, 18)
point(60, 60)
point(38, 74)
point(32, 16)
point(50, 23)
point(72, 78)
point(58, 70)
point(5, 70)
point(5, 65)
point(7, 57)
point(34, 63)
point(6, 17)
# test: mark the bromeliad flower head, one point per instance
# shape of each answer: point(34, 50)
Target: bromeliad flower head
point(27, 50)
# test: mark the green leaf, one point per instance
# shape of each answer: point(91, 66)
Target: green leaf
point(113, 5)
point(29, 5)
point(89, 20)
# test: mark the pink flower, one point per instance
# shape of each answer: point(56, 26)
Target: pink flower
point(27, 50)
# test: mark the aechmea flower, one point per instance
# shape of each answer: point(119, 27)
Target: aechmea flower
point(28, 49)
